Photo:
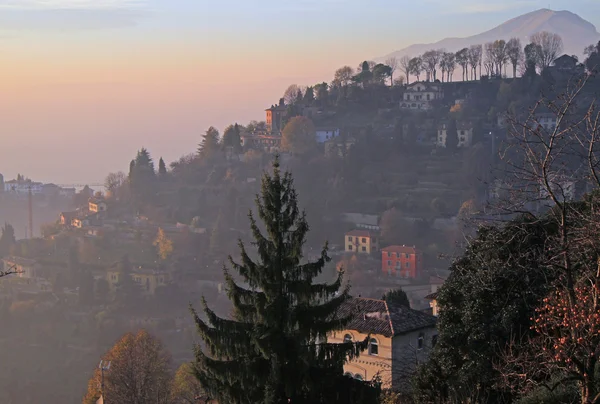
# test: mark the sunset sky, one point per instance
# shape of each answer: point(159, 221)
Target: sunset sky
point(85, 83)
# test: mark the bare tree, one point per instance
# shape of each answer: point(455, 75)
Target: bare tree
point(431, 60)
point(291, 94)
point(393, 64)
point(416, 67)
point(515, 53)
point(546, 162)
point(462, 58)
point(500, 55)
point(450, 62)
point(343, 76)
point(405, 66)
point(475, 59)
point(490, 59)
point(549, 45)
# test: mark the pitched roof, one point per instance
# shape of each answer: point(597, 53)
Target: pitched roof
point(359, 233)
point(432, 296)
point(372, 316)
point(402, 249)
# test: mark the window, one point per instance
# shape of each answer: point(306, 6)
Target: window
point(348, 374)
point(407, 265)
point(428, 97)
point(389, 263)
point(420, 341)
point(364, 248)
point(407, 255)
point(364, 240)
point(434, 341)
point(350, 247)
point(389, 271)
point(347, 338)
point(373, 347)
point(389, 254)
point(358, 377)
point(349, 238)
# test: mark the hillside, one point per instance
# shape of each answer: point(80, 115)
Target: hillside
point(576, 33)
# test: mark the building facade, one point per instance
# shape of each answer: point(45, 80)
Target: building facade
point(401, 261)
point(421, 95)
point(399, 339)
point(275, 117)
point(464, 131)
point(361, 242)
point(24, 267)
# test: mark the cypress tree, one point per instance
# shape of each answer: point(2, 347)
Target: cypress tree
point(162, 168)
point(273, 349)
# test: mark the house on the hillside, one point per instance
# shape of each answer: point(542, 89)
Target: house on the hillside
point(401, 261)
point(566, 63)
point(464, 131)
point(66, 218)
point(97, 205)
point(338, 146)
point(267, 143)
point(24, 267)
point(361, 242)
point(276, 116)
point(147, 279)
point(421, 95)
point(546, 120)
point(399, 340)
point(361, 220)
point(326, 134)
point(23, 187)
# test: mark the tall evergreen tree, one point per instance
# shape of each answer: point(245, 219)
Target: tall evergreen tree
point(162, 168)
point(272, 351)
point(210, 143)
point(231, 138)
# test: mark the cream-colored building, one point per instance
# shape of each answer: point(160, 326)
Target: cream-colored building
point(361, 242)
point(464, 131)
point(421, 95)
point(399, 339)
point(148, 279)
point(97, 205)
point(24, 267)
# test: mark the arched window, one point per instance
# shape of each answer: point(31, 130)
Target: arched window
point(347, 338)
point(373, 347)
point(358, 377)
point(348, 374)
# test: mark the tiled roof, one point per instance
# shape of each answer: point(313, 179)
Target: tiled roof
point(372, 316)
point(402, 249)
point(359, 233)
point(431, 296)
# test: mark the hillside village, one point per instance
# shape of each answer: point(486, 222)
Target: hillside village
point(392, 172)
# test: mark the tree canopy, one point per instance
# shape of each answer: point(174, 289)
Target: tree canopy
point(299, 136)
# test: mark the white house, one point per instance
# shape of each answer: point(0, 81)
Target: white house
point(464, 131)
point(546, 120)
point(326, 134)
point(420, 95)
point(22, 187)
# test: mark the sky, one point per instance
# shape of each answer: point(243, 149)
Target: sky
point(84, 84)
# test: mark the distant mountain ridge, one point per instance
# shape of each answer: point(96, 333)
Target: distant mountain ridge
point(576, 33)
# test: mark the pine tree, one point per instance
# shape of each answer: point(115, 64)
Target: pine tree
point(162, 168)
point(272, 351)
point(231, 138)
point(210, 143)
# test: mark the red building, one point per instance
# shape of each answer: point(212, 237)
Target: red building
point(401, 261)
